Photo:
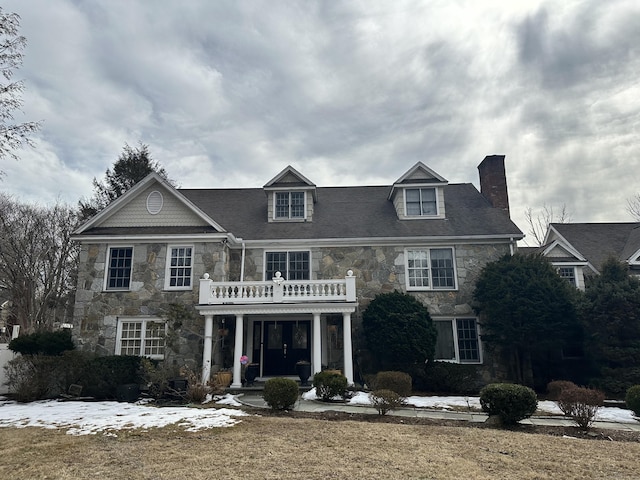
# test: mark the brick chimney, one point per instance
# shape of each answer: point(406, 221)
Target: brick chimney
point(493, 181)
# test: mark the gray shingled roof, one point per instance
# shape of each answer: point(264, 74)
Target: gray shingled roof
point(353, 212)
point(598, 241)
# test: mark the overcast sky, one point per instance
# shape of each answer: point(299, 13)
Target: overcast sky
point(228, 93)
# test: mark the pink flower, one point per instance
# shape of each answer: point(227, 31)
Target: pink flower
point(244, 359)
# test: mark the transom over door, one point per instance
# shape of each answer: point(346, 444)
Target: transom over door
point(285, 343)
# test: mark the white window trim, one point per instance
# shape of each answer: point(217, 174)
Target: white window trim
point(452, 321)
point(167, 269)
point(290, 218)
point(430, 288)
point(578, 271)
point(438, 214)
point(105, 285)
point(144, 321)
point(285, 250)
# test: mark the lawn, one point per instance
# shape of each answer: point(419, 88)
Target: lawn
point(270, 447)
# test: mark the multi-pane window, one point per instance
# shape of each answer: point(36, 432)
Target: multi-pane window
point(431, 268)
point(179, 268)
point(143, 338)
point(458, 340)
point(569, 274)
point(292, 265)
point(119, 268)
point(421, 201)
point(289, 205)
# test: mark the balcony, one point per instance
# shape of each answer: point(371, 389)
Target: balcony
point(277, 290)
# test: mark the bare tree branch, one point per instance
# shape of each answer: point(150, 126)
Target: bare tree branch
point(538, 222)
point(633, 206)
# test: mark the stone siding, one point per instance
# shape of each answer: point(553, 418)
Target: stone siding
point(377, 269)
point(96, 310)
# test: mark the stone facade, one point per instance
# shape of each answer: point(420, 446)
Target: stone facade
point(377, 269)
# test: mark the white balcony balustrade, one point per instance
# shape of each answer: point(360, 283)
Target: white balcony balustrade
point(277, 290)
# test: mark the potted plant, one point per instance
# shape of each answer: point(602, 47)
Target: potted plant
point(251, 372)
point(303, 369)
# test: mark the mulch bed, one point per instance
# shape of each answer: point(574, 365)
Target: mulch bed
point(610, 435)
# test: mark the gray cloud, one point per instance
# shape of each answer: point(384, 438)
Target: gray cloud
point(228, 93)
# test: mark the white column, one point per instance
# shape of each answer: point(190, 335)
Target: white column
point(317, 345)
point(206, 355)
point(237, 372)
point(348, 349)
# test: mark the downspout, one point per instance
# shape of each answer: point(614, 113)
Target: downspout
point(242, 261)
point(511, 243)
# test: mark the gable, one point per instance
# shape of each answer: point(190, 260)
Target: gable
point(152, 202)
point(417, 177)
point(136, 213)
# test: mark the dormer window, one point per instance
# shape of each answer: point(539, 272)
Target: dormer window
point(421, 201)
point(289, 205)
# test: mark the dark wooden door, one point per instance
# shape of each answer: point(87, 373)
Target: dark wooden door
point(285, 343)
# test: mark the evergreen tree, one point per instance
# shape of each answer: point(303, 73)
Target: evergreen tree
point(132, 165)
point(399, 332)
point(527, 313)
point(611, 315)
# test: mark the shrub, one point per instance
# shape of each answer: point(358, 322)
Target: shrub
point(398, 382)
point(386, 400)
point(399, 331)
point(280, 393)
point(329, 385)
point(39, 377)
point(447, 377)
point(555, 388)
point(581, 404)
point(632, 399)
point(510, 402)
point(29, 377)
point(43, 343)
point(103, 375)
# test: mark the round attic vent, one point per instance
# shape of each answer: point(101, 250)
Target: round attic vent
point(154, 202)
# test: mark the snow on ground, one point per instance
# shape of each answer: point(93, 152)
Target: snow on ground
point(84, 418)
point(545, 407)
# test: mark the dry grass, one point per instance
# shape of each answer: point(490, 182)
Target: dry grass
point(280, 447)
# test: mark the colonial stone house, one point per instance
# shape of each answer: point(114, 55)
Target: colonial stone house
point(282, 273)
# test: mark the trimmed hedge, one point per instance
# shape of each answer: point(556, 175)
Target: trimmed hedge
point(632, 399)
point(556, 387)
point(104, 374)
point(43, 343)
point(510, 402)
point(398, 382)
point(280, 393)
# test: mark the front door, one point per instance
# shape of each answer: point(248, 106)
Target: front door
point(285, 343)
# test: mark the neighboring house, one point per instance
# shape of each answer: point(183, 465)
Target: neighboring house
point(578, 250)
point(283, 272)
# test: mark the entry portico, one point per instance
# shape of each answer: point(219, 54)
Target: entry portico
point(277, 315)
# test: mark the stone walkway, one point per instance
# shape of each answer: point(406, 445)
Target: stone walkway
point(256, 400)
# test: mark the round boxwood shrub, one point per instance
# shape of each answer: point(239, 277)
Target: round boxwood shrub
point(329, 385)
point(398, 382)
point(632, 399)
point(510, 402)
point(280, 393)
point(556, 387)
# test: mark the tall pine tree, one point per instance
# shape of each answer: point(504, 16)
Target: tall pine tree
point(132, 165)
point(527, 313)
point(611, 315)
